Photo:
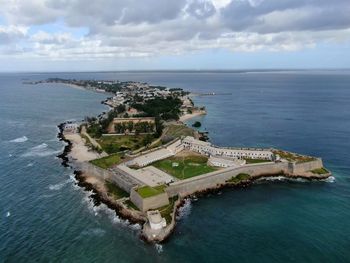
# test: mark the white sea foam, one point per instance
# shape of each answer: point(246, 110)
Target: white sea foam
point(185, 210)
point(20, 139)
point(40, 151)
point(330, 179)
point(159, 248)
point(59, 186)
point(103, 210)
point(8, 214)
point(30, 164)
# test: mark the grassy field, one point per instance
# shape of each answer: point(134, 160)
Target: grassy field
point(116, 143)
point(178, 131)
point(107, 162)
point(249, 161)
point(147, 191)
point(185, 167)
point(115, 190)
point(320, 171)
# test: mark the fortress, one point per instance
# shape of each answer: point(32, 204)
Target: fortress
point(139, 172)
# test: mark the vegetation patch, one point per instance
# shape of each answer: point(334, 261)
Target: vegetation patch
point(117, 143)
point(115, 190)
point(320, 171)
point(107, 162)
point(148, 191)
point(292, 157)
point(197, 124)
point(175, 131)
point(239, 178)
point(167, 210)
point(250, 161)
point(130, 205)
point(185, 167)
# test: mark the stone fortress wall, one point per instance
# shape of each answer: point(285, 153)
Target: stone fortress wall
point(217, 178)
point(148, 203)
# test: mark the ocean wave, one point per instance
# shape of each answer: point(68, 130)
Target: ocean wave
point(330, 179)
point(94, 232)
point(185, 210)
point(59, 186)
point(103, 210)
point(20, 139)
point(8, 214)
point(40, 151)
point(46, 195)
point(30, 164)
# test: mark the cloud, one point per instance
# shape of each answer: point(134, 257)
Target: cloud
point(133, 28)
point(266, 16)
point(10, 34)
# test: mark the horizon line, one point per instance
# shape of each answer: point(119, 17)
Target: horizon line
point(182, 70)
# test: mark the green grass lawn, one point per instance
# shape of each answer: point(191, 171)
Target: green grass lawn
point(320, 171)
point(115, 190)
point(116, 143)
point(249, 161)
point(187, 167)
point(147, 191)
point(107, 162)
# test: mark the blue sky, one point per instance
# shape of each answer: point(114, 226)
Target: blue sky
point(77, 35)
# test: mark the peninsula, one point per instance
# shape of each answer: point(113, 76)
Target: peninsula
point(141, 160)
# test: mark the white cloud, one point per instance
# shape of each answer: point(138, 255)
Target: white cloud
point(131, 28)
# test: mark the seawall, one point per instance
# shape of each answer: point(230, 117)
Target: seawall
point(219, 178)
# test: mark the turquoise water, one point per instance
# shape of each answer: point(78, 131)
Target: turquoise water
point(46, 218)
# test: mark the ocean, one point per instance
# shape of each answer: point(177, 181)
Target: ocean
point(45, 217)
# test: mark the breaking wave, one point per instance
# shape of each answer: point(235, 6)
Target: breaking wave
point(185, 210)
point(40, 151)
point(20, 139)
point(103, 210)
point(59, 186)
point(330, 179)
point(8, 214)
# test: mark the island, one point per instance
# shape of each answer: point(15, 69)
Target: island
point(142, 161)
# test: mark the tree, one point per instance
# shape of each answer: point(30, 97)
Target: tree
point(197, 124)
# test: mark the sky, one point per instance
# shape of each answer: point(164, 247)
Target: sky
point(85, 35)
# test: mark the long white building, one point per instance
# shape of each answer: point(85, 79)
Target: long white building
point(208, 149)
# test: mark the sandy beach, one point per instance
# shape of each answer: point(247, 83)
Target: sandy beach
point(191, 115)
point(80, 152)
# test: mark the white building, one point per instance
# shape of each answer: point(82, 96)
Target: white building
point(225, 162)
point(208, 149)
point(156, 221)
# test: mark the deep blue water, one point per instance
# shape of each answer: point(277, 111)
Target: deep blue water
point(46, 218)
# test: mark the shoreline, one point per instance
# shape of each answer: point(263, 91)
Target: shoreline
point(189, 116)
point(134, 217)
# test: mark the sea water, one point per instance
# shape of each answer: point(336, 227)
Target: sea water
point(45, 217)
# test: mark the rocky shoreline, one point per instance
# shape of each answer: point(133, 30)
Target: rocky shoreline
point(96, 195)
